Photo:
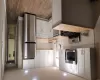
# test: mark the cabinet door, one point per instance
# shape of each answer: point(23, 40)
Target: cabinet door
point(62, 60)
point(29, 64)
point(44, 29)
point(56, 13)
point(42, 58)
point(37, 59)
point(81, 62)
point(56, 58)
point(46, 57)
point(49, 58)
point(87, 64)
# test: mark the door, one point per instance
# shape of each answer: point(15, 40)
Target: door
point(11, 44)
point(37, 59)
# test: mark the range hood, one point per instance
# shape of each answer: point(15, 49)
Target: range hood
point(29, 36)
point(73, 14)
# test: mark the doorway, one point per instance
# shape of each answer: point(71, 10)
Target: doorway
point(11, 42)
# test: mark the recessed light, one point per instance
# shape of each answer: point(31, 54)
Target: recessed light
point(26, 71)
point(64, 74)
point(55, 68)
point(25, 57)
point(34, 79)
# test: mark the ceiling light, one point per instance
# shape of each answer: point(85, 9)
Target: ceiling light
point(64, 74)
point(55, 68)
point(26, 71)
point(34, 78)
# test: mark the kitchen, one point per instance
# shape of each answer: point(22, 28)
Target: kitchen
point(63, 43)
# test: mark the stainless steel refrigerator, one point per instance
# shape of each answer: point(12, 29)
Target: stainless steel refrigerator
point(29, 36)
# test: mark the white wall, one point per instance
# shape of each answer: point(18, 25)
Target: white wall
point(56, 12)
point(2, 36)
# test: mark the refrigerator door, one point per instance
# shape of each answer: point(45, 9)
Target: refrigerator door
point(29, 28)
point(29, 50)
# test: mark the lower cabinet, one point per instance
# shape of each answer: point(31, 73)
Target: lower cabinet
point(28, 64)
point(67, 67)
point(62, 65)
point(44, 58)
point(85, 66)
point(86, 58)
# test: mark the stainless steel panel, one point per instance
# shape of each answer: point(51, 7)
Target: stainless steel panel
point(29, 50)
point(29, 28)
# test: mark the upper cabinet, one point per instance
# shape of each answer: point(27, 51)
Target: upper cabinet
point(44, 29)
point(73, 12)
point(56, 12)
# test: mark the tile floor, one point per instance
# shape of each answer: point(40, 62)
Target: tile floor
point(39, 74)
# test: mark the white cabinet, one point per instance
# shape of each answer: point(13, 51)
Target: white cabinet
point(44, 28)
point(56, 58)
point(86, 63)
point(49, 58)
point(85, 67)
point(81, 61)
point(56, 13)
point(71, 68)
point(28, 64)
point(37, 59)
point(44, 58)
point(62, 60)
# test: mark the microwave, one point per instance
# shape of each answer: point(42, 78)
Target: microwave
point(71, 56)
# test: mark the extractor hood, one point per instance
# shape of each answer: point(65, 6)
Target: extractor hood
point(73, 14)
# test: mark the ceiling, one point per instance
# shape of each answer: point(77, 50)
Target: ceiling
point(42, 8)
